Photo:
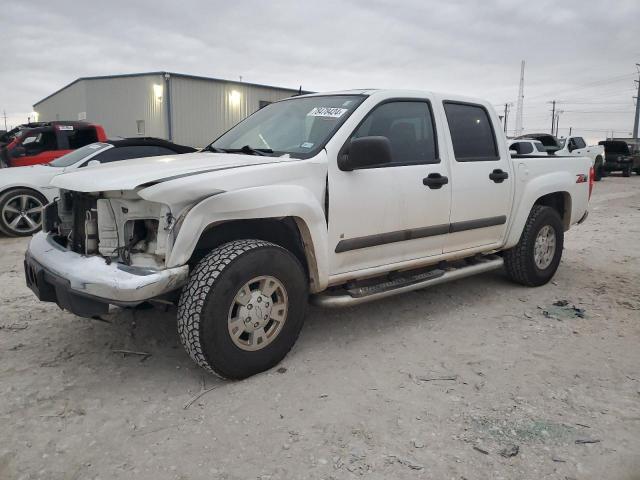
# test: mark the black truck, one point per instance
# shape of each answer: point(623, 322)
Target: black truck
point(620, 157)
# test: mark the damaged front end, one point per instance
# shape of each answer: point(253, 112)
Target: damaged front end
point(118, 226)
point(101, 249)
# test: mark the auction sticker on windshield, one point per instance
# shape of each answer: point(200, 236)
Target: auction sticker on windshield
point(331, 112)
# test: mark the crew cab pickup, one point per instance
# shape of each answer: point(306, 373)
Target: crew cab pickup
point(45, 141)
point(340, 198)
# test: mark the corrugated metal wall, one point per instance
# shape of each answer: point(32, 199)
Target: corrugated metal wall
point(201, 110)
point(119, 103)
point(64, 105)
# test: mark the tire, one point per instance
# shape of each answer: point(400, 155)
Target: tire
point(18, 215)
point(520, 261)
point(209, 299)
point(598, 170)
point(626, 172)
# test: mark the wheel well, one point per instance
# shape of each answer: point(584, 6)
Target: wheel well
point(11, 189)
point(281, 231)
point(561, 203)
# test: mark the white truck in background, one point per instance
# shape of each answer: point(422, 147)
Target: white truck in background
point(572, 146)
point(340, 198)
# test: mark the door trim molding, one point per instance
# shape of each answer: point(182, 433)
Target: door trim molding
point(390, 237)
point(479, 223)
point(415, 233)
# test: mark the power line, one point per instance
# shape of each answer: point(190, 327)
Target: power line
point(589, 85)
point(599, 111)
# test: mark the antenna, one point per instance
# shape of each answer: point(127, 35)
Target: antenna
point(520, 101)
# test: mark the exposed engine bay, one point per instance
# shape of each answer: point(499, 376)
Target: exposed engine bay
point(118, 226)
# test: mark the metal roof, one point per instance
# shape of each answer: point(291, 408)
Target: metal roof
point(172, 74)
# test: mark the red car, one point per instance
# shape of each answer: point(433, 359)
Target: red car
point(48, 141)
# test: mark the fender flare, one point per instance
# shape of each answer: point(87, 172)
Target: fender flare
point(272, 201)
point(554, 182)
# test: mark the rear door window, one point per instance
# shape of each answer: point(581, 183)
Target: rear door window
point(526, 148)
point(79, 137)
point(579, 142)
point(472, 133)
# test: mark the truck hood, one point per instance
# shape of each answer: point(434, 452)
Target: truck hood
point(145, 172)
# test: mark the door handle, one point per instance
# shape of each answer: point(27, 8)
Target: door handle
point(498, 175)
point(435, 180)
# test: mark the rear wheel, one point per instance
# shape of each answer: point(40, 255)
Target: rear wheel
point(243, 308)
point(598, 169)
point(535, 259)
point(21, 212)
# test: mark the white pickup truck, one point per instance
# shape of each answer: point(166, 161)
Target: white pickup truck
point(342, 197)
point(572, 146)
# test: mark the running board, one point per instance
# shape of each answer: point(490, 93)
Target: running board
point(356, 296)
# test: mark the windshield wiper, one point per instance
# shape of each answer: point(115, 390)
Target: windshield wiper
point(209, 148)
point(247, 150)
point(264, 152)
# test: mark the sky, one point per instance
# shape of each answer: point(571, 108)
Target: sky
point(580, 53)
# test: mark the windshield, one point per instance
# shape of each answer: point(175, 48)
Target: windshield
point(79, 154)
point(299, 126)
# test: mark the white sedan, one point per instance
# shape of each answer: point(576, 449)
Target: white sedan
point(25, 190)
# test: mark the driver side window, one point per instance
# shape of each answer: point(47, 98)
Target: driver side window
point(409, 127)
point(38, 143)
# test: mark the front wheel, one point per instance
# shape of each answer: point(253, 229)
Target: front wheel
point(535, 259)
point(626, 172)
point(243, 308)
point(21, 212)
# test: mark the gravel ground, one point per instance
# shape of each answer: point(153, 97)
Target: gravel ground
point(470, 380)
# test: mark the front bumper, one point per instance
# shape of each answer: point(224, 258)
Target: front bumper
point(86, 285)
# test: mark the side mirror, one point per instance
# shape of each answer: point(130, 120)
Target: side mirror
point(366, 152)
point(18, 152)
point(93, 163)
point(513, 152)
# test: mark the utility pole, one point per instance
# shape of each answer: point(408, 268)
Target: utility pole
point(635, 120)
point(4, 114)
point(558, 120)
point(570, 128)
point(506, 115)
point(553, 115)
point(520, 101)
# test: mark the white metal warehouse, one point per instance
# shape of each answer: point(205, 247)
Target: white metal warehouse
point(186, 109)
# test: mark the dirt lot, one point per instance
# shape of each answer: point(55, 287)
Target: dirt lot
point(433, 384)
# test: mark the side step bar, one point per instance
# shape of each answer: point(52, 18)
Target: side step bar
point(356, 296)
